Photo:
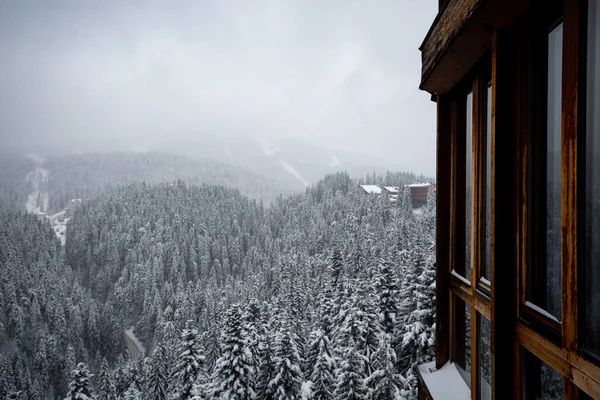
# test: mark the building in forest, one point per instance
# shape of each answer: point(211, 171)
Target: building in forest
point(517, 87)
point(371, 189)
point(418, 194)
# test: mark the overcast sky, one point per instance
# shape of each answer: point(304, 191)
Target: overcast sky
point(343, 74)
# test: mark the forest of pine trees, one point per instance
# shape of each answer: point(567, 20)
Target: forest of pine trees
point(327, 294)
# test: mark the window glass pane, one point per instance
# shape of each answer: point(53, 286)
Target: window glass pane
point(461, 345)
point(539, 381)
point(544, 175)
point(553, 168)
point(487, 272)
point(468, 183)
point(591, 281)
point(484, 352)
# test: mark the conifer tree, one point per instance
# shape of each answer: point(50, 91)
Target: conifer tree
point(266, 362)
point(288, 379)
point(322, 369)
point(157, 383)
point(80, 387)
point(418, 340)
point(384, 383)
point(233, 377)
point(351, 381)
point(190, 362)
point(132, 393)
point(106, 385)
point(386, 290)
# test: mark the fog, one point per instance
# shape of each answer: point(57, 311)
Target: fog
point(134, 75)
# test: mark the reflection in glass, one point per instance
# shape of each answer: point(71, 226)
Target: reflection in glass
point(461, 345)
point(539, 381)
point(468, 183)
point(487, 273)
point(544, 181)
point(553, 217)
point(484, 354)
point(591, 282)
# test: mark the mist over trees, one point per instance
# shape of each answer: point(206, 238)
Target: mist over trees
point(323, 294)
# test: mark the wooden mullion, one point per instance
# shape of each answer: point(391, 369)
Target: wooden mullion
point(443, 211)
point(567, 363)
point(570, 390)
point(504, 209)
point(570, 95)
point(472, 298)
point(553, 355)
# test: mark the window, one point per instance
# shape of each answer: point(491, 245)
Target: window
point(538, 380)
point(543, 280)
point(462, 184)
point(484, 355)
point(471, 228)
point(461, 345)
point(591, 241)
point(468, 183)
point(486, 271)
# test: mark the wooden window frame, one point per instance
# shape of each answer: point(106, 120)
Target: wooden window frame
point(532, 55)
point(582, 186)
point(561, 352)
point(510, 331)
point(470, 288)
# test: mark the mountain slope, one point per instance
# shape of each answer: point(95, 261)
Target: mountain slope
point(82, 176)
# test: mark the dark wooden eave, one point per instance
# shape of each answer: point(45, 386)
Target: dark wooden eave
point(459, 36)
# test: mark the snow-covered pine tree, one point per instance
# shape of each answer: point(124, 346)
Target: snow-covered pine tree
point(322, 369)
point(371, 325)
point(430, 211)
point(386, 290)
point(106, 384)
point(80, 387)
point(418, 340)
point(266, 362)
point(157, 382)
point(190, 362)
point(337, 280)
point(288, 379)
point(132, 393)
point(351, 382)
point(233, 376)
point(384, 382)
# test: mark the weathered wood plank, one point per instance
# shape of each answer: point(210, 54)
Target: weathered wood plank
point(444, 30)
point(459, 36)
point(553, 355)
point(570, 96)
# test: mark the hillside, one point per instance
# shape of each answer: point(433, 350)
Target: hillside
point(322, 274)
point(86, 175)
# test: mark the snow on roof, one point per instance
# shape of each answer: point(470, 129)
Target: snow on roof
point(425, 184)
point(444, 383)
point(372, 189)
point(392, 189)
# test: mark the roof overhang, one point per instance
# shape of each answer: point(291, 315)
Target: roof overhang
point(459, 36)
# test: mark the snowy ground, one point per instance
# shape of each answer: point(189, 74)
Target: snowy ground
point(59, 225)
point(37, 177)
point(134, 346)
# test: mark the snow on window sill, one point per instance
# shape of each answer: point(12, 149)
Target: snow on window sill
point(445, 383)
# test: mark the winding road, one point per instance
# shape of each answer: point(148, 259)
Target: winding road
point(134, 346)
